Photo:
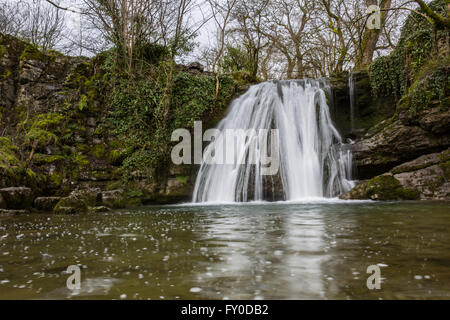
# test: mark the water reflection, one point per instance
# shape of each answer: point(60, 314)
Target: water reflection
point(254, 251)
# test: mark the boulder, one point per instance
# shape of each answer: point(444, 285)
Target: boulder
point(2, 202)
point(5, 212)
point(99, 209)
point(384, 188)
point(17, 197)
point(426, 178)
point(115, 199)
point(46, 203)
point(70, 205)
point(91, 197)
point(398, 141)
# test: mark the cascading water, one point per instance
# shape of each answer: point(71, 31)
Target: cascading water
point(351, 89)
point(313, 161)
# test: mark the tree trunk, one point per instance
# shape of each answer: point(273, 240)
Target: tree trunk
point(370, 38)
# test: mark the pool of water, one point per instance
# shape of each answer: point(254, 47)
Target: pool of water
point(316, 250)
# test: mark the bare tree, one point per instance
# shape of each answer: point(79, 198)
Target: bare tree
point(222, 13)
point(249, 17)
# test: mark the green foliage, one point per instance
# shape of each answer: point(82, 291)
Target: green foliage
point(83, 104)
point(8, 154)
point(240, 65)
point(43, 129)
point(31, 52)
point(432, 90)
point(99, 151)
point(152, 53)
point(235, 60)
point(140, 118)
point(393, 74)
point(193, 98)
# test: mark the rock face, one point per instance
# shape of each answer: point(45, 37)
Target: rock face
point(17, 197)
point(425, 178)
point(65, 98)
point(368, 109)
point(384, 187)
point(70, 205)
point(5, 212)
point(46, 203)
point(401, 140)
point(91, 197)
point(79, 201)
point(114, 199)
point(2, 202)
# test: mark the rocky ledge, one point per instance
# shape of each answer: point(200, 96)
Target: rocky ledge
point(21, 200)
point(401, 139)
point(425, 178)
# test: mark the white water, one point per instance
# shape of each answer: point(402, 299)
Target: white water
point(351, 89)
point(314, 162)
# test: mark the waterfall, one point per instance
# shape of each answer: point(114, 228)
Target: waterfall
point(313, 160)
point(351, 89)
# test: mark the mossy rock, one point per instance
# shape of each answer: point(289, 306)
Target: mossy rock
point(382, 188)
point(17, 197)
point(99, 209)
point(445, 166)
point(70, 205)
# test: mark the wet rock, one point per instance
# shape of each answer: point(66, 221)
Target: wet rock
point(429, 174)
point(91, 196)
point(5, 212)
point(2, 202)
point(31, 70)
point(17, 197)
point(46, 203)
point(70, 205)
point(115, 199)
point(99, 209)
point(384, 187)
point(430, 182)
point(426, 178)
point(396, 143)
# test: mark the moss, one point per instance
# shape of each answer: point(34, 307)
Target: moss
point(8, 153)
point(445, 166)
point(81, 160)
point(44, 129)
point(31, 52)
point(99, 151)
point(389, 188)
point(403, 169)
point(435, 184)
point(183, 179)
point(393, 74)
point(6, 75)
point(83, 104)
point(3, 50)
point(56, 178)
point(41, 159)
point(445, 156)
point(383, 188)
point(70, 205)
point(101, 175)
point(79, 75)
